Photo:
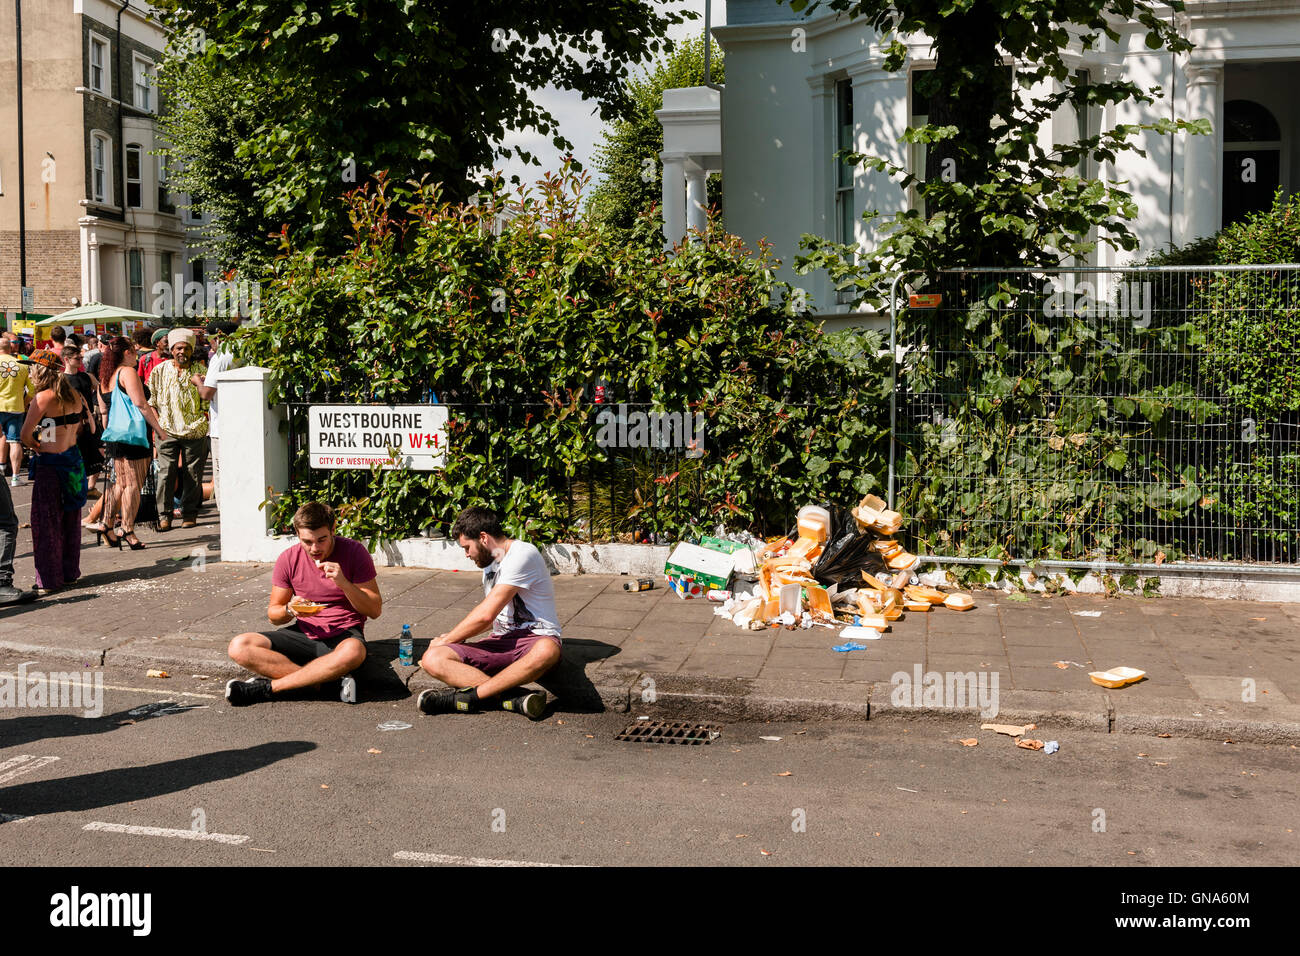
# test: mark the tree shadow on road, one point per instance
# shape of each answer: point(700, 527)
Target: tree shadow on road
point(20, 731)
point(106, 788)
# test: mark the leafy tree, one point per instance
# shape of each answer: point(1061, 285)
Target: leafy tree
point(1011, 199)
point(1024, 430)
point(628, 157)
point(341, 89)
point(210, 115)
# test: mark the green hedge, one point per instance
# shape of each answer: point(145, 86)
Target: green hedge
point(524, 324)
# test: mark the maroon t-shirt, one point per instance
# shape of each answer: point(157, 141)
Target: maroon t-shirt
point(295, 569)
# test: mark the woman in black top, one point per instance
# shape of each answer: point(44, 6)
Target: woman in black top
point(57, 413)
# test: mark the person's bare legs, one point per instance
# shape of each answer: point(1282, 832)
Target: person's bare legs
point(14, 449)
point(253, 652)
point(130, 479)
point(444, 663)
point(111, 507)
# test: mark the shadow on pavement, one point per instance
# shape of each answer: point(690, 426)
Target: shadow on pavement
point(568, 681)
point(107, 788)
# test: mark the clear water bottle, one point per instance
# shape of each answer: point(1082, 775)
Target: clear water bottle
point(405, 646)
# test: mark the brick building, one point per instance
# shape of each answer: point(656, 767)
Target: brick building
point(101, 224)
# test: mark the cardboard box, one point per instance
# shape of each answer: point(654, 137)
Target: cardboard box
point(712, 569)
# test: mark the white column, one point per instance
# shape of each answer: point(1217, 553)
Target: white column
point(697, 198)
point(254, 464)
point(880, 105)
point(674, 197)
point(1201, 181)
point(92, 245)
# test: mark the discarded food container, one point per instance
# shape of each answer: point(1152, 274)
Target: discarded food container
point(789, 597)
point(1117, 676)
point(858, 633)
point(719, 596)
point(921, 593)
point(959, 602)
point(814, 523)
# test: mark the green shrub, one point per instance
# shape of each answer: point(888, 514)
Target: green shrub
point(515, 329)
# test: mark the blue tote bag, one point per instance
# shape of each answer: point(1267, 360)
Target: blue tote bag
point(125, 423)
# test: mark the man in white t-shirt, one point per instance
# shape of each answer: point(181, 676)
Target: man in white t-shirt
point(222, 360)
point(519, 607)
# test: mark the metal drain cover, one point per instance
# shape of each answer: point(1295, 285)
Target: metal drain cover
point(670, 732)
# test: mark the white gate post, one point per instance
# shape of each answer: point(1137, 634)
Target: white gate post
point(254, 458)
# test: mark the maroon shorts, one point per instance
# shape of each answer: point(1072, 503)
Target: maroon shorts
point(498, 651)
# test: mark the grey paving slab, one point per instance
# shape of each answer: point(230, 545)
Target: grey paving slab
point(624, 620)
point(965, 644)
point(966, 662)
point(660, 658)
point(654, 630)
point(722, 665)
point(813, 671)
point(1049, 678)
point(748, 645)
point(1236, 688)
point(856, 668)
point(633, 603)
point(803, 656)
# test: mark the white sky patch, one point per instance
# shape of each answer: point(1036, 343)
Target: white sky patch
point(579, 119)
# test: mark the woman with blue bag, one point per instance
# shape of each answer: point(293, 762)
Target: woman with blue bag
point(126, 437)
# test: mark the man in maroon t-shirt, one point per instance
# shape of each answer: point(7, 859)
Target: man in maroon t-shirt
point(323, 590)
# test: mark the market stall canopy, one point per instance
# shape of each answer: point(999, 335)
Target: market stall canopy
point(97, 313)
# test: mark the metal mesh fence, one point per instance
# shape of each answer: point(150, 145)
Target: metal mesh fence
point(1141, 414)
point(632, 480)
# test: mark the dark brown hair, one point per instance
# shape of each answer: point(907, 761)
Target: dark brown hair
point(110, 358)
point(474, 521)
point(313, 515)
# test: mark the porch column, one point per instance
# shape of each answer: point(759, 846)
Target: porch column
point(674, 199)
point(1201, 183)
point(697, 198)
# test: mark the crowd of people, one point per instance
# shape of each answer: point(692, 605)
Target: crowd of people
point(97, 420)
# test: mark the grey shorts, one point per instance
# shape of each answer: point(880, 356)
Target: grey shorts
point(301, 649)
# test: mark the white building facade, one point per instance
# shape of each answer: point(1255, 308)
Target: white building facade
point(799, 89)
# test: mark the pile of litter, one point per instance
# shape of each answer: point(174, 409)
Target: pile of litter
point(824, 574)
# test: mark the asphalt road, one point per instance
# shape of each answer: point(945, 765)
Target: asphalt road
point(318, 783)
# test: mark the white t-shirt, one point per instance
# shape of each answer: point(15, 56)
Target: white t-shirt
point(222, 361)
point(533, 608)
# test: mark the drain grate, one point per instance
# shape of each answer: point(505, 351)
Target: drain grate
point(670, 732)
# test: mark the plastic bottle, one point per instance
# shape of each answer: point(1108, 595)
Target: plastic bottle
point(405, 647)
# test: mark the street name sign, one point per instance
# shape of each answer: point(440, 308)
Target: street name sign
point(361, 436)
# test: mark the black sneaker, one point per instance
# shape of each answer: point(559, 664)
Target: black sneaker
point(255, 690)
point(460, 701)
point(531, 704)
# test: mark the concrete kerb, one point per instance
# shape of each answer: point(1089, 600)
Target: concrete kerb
point(671, 696)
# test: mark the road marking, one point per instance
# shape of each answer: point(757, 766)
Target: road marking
point(143, 690)
point(232, 838)
point(445, 859)
point(155, 690)
point(21, 766)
